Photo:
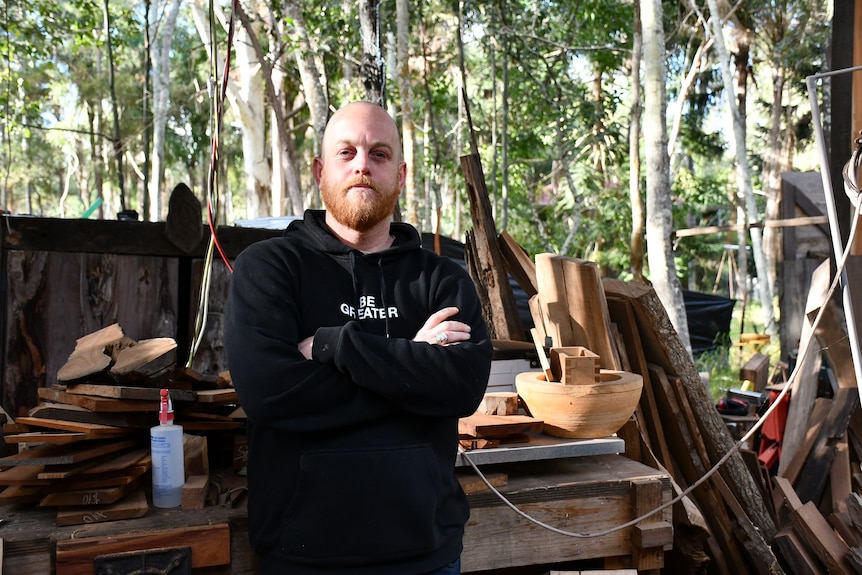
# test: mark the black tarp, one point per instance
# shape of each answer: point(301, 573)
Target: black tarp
point(708, 320)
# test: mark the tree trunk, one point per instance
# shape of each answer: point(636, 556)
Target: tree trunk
point(772, 177)
point(163, 33)
point(743, 173)
point(658, 198)
point(402, 9)
point(637, 237)
point(371, 69)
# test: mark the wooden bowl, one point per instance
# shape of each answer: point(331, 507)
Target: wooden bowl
point(581, 411)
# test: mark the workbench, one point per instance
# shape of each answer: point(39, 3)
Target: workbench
point(581, 494)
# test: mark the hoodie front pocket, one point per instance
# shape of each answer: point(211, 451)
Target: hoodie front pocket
point(361, 506)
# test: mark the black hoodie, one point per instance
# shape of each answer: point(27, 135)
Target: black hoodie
point(351, 454)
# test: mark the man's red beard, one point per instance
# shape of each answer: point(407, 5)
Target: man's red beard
point(360, 214)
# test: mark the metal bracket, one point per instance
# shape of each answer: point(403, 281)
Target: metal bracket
point(161, 561)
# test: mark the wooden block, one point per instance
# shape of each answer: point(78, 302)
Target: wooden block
point(474, 484)
point(210, 546)
point(497, 426)
point(499, 403)
point(575, 365)
point(130, 507)
point(756, 370)
point(195, 492)
point(659, 534)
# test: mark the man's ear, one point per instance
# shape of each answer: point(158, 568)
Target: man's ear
point(402, 176)
point(317, 169)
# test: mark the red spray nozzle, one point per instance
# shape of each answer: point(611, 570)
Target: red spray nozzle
point(166, 409)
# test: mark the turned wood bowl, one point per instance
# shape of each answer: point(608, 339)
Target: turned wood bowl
point(583, 411)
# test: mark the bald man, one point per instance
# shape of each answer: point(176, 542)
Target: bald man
point(354, 352)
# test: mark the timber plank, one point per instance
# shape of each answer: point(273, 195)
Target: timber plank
point(130, 392)
point(794, 552)
point(96, 404)
point(131, 507)
point(210, 547)
point(65, 454)
point(89, 430)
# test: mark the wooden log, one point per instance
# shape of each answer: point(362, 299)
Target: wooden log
point(664, 347)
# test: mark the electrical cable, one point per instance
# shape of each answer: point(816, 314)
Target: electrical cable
point(216, 121)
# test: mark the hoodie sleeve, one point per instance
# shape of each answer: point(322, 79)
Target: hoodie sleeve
point(276, 385)
point(420, 378)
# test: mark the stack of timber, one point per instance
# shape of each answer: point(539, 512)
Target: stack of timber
point(732, 519)
point(84, 448)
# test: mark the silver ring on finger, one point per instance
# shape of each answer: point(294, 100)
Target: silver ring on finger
point(441, 337)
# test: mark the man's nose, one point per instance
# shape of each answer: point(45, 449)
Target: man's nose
point(361, 162)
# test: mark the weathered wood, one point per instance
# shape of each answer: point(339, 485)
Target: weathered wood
point(804, 389)
point(90, 430)
point(518, 263)
point(818, 534)
point(147, 359)
point(58, 455)
point(797, 556)
point(130, 392)
point(485, 258)
point(93, 353)
point(580, 495)
point(666, 349)
point(622, 314)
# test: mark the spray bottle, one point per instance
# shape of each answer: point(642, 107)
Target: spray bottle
point(166, 445)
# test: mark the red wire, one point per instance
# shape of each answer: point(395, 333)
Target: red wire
point(214, 152)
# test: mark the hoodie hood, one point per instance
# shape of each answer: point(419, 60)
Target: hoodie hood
point(312, 228)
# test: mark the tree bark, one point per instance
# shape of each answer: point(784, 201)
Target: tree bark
point(659, 223)
point(371, 70)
